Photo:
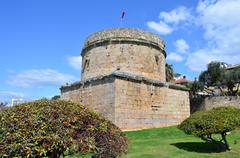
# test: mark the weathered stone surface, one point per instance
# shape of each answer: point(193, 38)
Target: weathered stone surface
point(138, 59)
point(97, 94)
point(208, 103)
point(132, 101)
point(123, 78)
point(124, 33)
point(141, 105)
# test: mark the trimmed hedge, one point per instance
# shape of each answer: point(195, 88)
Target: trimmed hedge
point(54, 128)
point(216, 121)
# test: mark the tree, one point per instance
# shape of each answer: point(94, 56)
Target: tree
point(216, 71)
point(195, 87)
point(204, 124)
point(214, 75)
point(169, 72)
point(232, 81)
point(205, 78)
point(55, 127)
point(218, 76)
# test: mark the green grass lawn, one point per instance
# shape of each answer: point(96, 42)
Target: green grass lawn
point(170, 142)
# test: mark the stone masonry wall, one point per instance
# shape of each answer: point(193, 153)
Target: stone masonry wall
point(123, 77)
point(137, 59)
point(131, 104)
point(214, 102)
point(98, 95)
point(140, 105)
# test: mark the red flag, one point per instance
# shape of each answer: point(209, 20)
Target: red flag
point(123, 13)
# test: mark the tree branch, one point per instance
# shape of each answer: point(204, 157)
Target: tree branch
point(224, 134)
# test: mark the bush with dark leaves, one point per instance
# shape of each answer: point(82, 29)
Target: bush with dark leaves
point(57, 128)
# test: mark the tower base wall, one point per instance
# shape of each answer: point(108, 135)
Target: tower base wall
point(140, 105)
point(132, 102)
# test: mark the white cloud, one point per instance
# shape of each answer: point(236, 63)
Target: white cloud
point(11, 94)
point(176, 15)
point(181, 46)
point(75, 62)
point(161, 27)
point(216, 22)
point(168, 21)
point(198, 60)
point(221, 23)
point(174, 57)
point(40, 77)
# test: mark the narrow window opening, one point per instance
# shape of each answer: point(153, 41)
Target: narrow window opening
point(86, 64)
point(157, 60)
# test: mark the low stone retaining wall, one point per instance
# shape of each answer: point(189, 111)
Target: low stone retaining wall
point(206, 103)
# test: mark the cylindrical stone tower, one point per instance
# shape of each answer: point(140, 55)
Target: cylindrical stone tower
point(123, 78)
point(128, 50)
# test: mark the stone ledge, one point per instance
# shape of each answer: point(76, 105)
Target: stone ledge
point(128, 33)
point(139, 78)
point(78, 84)
point(125, 76)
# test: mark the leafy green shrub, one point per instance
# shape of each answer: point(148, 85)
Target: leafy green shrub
point(216, 121)
point(54, 128)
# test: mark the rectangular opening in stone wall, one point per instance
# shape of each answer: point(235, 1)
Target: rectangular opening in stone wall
point(155, 107)
point(86, 65)
point(157, 60)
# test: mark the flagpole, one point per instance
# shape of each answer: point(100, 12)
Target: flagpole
point(121, 22)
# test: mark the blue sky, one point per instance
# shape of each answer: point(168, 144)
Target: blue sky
point(40, 41)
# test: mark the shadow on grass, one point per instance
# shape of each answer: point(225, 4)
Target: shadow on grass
point(200, 147)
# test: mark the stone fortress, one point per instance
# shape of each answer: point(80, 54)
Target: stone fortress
point(123, 78)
